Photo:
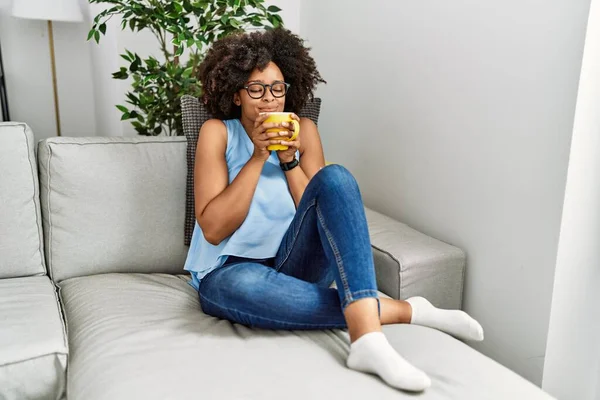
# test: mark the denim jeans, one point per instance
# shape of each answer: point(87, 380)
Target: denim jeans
point(327, 240)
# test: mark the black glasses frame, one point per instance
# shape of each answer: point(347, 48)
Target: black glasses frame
point(264, 86)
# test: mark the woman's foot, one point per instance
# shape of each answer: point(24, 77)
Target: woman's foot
point(372, 353)
point(454, 322)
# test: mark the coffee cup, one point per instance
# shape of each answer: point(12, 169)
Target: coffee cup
point(279, 117)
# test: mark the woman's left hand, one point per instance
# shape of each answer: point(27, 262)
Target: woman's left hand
point(288, 155)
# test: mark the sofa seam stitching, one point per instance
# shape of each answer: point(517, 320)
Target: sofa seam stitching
point(35, 206)
point(34, 358)
point(462, 281)
point(50, 261)
point(183, 140)
point(397, 262)
point(62, 314)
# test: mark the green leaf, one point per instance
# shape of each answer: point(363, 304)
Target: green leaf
point(125, 116)
point(187, 72)
point(273, 9)
point(151, 63)
point(178, 7)
point(122, 74)
point(122, 108)
point(90, 34)
point(187, 6)
point(97, 36)
point(103, 28)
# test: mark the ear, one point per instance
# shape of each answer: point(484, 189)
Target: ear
point(236, 99)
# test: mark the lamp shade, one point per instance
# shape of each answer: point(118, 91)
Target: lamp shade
point(49, 10)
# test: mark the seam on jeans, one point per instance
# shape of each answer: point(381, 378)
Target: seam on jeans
point(290, 324)
point(364, 291)
point(296, 233)
point(361, 294)
point(338, 258)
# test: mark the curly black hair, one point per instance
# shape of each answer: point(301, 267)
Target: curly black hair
point(230, 61)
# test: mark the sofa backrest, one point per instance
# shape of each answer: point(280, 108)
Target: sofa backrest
point(113, 204)
point(21, 244)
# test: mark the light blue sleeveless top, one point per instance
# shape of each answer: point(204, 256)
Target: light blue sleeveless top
point(271, 212)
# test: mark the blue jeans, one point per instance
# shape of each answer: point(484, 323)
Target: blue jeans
point(328, 239)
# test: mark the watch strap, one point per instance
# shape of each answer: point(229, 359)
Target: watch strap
point(290, 165)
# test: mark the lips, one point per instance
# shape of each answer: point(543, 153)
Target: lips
point(267, 109)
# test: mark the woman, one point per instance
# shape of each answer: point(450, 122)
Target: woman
point(273, 233)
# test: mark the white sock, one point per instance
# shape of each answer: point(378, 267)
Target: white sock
point(373, 353)
point(455, 322)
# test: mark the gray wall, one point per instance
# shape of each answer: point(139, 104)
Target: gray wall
point(456, 118)
point(572, 368)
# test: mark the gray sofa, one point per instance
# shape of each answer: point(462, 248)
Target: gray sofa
point(94, 303)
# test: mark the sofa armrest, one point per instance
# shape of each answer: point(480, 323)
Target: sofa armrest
point(410, 263)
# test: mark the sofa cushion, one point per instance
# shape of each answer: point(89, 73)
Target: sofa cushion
point(145, 336)
point(193, 115)
point(113, 204)
point(21, 251)
point(33, 344)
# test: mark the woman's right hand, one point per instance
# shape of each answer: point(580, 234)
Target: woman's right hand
point(261, 138)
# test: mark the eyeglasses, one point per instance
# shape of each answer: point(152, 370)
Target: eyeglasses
point(257, 90)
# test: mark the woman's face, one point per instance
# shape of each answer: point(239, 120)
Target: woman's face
point(252, 107)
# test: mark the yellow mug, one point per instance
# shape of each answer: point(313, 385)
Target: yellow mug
point(279, 117)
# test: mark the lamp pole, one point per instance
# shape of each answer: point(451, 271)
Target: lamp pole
point(54, 85)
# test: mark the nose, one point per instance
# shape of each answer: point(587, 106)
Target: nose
point(268, 97)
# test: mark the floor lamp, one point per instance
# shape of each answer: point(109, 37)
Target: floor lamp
point(49, 10)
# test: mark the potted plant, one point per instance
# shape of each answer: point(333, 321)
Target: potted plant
point(184, 29)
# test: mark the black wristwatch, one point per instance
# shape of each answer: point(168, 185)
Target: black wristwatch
point(289, 165)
